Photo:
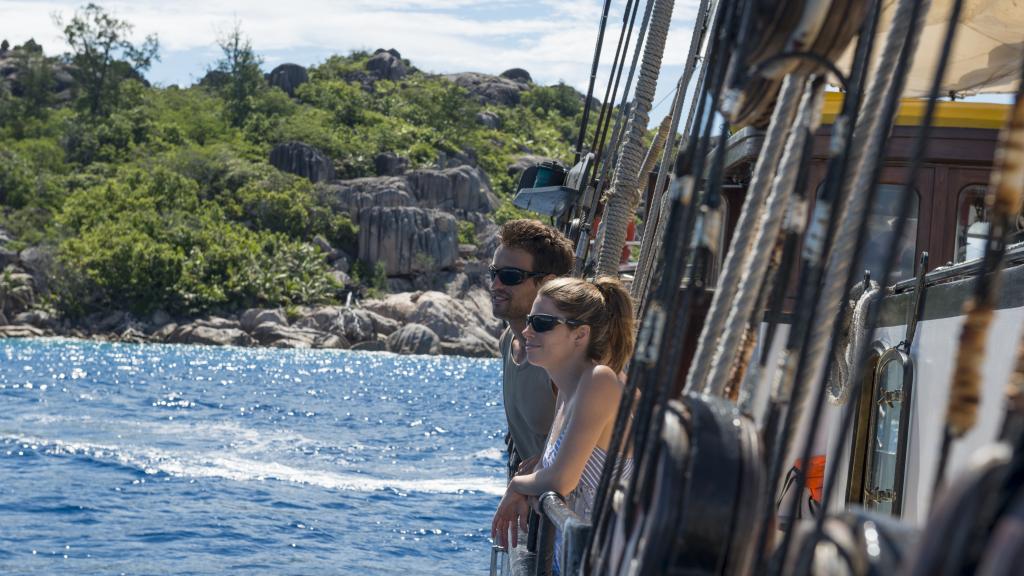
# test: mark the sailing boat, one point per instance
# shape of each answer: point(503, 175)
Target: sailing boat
point(831, 290)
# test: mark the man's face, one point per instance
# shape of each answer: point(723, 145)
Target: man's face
point(512, 302)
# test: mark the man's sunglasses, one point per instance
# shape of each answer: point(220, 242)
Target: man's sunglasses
point(546, 322)
point(511, 276)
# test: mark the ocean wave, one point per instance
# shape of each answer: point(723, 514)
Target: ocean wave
point(227, 466)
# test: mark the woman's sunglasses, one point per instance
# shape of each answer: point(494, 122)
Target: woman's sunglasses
point(546, 322)
point(511, 276)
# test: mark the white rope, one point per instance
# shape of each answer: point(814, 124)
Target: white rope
point(650, 249)
point(869, 136)
point(852, 343)
point(753, 207)
point(764, 242)
point(625, 195)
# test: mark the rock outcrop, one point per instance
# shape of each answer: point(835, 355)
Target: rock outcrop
point(302, 160)
point(387, 65)
point(462, 322)
point(359, 194)
point(17, 292)
point(459, 190)
point(462, 188)
point(288, 77)
point(390, 164)
point(215, 332)
point(517, 75)
point(408, 240)
point(488, 119)
point(489, 89)
point(58, 76)
point(414, 339)
point(20, 331)
point(256, 316)
point(38, 262)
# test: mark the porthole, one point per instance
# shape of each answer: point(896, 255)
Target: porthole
point(887, 432)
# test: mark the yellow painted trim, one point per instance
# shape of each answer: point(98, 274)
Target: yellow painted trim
point(947, 114)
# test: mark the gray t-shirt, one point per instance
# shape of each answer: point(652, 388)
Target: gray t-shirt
point(529, 401)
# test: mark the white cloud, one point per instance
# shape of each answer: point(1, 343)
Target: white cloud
point(553, 39)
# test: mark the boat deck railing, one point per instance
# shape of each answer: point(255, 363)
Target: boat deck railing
point(558, 518)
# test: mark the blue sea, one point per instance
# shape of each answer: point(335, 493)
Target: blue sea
point(168, 459)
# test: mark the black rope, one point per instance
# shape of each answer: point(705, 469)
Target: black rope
point(593, 78)
point(656, 380)
point(610, 474)
point(612, 89)
point(677, 219)
point(620, 127)
point(888, 116)
point(812, 267)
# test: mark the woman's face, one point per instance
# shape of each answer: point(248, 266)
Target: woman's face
point(553, 347)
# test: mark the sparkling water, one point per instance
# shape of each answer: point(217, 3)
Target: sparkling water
point(166, 459)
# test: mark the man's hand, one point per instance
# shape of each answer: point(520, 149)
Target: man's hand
point(512, 514)
point(527, 466)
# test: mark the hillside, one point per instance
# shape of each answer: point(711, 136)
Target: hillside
point(288, 190)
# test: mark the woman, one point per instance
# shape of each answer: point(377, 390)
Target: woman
point(581, 333)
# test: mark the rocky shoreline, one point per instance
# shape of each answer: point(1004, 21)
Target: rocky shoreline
point(422, 322)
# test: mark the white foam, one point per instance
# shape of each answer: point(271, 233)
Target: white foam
point(232, 467)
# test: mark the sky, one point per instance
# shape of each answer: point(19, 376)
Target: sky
point(552, 39)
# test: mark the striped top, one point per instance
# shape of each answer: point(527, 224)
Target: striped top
point(581, 499)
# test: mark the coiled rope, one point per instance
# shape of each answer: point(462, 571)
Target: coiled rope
point(625, 195)
point(849, 350)
point(764, 242)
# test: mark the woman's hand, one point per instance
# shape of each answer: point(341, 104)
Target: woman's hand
point(512, 515)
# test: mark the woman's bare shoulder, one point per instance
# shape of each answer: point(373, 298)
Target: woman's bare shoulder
point(603, 378)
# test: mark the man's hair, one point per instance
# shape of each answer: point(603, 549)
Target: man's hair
point(551, 250)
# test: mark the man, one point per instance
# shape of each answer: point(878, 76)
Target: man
point(529, 254)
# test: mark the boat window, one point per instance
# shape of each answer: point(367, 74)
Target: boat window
point(887, 430)
point(881, 226)
point(972, 220)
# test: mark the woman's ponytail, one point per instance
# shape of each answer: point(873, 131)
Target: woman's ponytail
point(621, 331)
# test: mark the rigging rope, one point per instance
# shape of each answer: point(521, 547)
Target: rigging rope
point(583, 245)
point(654, 226)
point(869, 137)
point(628, 19)
point(753, 207)
point(764, 242)
point(625, 195)
point(593, 78)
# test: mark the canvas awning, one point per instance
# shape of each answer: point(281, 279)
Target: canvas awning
point(986, 55)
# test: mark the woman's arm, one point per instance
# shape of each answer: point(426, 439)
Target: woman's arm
point(596, 404)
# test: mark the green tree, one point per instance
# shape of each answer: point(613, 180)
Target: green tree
point(244, 78)
point(35, 82)
point(103, 56)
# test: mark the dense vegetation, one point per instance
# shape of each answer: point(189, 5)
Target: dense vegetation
point(162, 197)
